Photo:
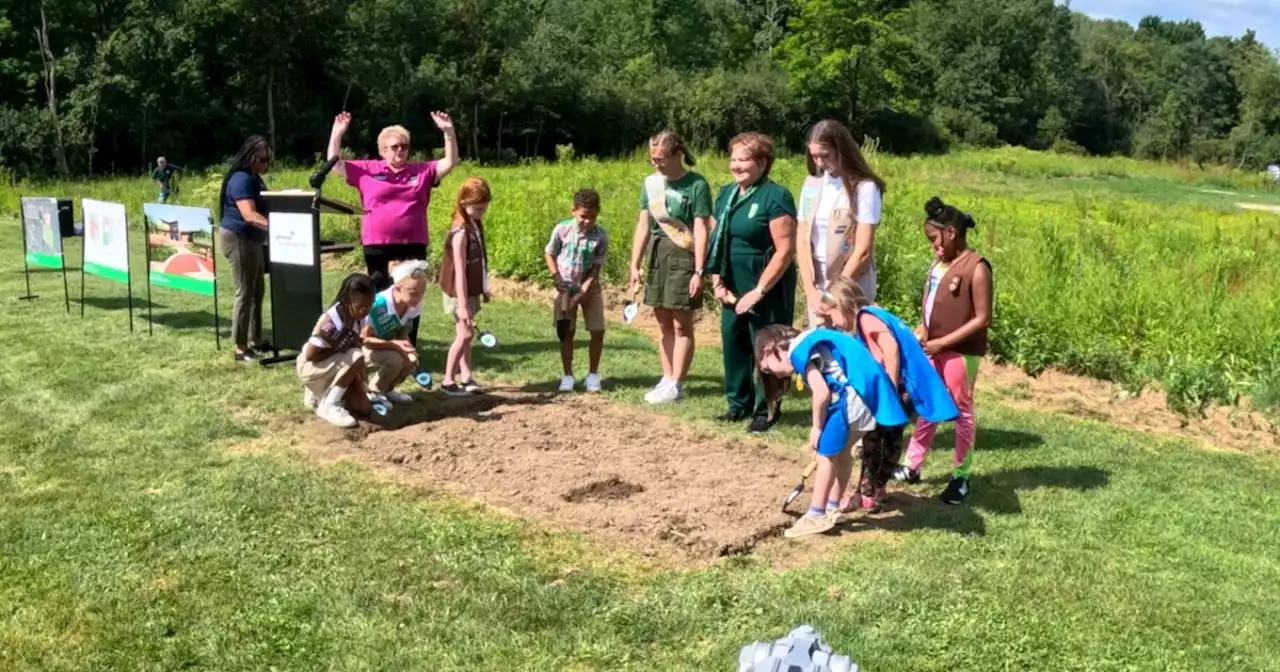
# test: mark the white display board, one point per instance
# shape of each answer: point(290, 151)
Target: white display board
point(290, 236)
point(106, 241)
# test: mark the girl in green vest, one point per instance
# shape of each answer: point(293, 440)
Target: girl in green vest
point(753, 273)
point(671, 234)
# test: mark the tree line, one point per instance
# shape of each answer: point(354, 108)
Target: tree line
point(94, 86)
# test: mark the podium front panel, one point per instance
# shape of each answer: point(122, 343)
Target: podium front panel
point(297, 290)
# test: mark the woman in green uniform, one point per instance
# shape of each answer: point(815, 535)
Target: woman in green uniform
point(671, 233)
point(753, 271)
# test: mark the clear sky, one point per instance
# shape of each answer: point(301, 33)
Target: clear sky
point(1219, 17)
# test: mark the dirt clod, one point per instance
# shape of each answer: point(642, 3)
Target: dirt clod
point(608, 490)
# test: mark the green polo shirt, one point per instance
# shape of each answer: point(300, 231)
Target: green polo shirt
point(163, 175)
point(749, 215)
point(687, 199)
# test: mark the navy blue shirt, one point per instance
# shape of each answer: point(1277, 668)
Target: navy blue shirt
point(243, 185)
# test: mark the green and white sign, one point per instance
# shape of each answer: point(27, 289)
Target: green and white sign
point(40, 228)
point(180, 247)
point(106, 242)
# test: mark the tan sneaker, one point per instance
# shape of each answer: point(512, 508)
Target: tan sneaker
point(810, 524)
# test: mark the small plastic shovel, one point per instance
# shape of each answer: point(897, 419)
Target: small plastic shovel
point(631, 307)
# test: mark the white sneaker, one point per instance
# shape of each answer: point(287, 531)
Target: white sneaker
point(566, 384)
point(669, 394)
point(335, 415)
point(398, 397)
point(309, 398)
point(652, 395)
point(592, 382)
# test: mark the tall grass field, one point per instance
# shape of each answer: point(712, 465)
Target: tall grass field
point(1129, 271)
point(165, 508)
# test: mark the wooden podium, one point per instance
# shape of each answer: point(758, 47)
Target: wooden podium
point(293, 261)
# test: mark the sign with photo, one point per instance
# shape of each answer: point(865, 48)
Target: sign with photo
point(180, 247)
point(106, 242)
point(40, 229)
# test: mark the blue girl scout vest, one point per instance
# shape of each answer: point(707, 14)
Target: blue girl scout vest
point(861, 372)
point(923, 384)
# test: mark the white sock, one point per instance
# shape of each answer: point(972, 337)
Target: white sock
point(335, 396)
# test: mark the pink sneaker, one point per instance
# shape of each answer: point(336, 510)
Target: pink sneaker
point(869, 504)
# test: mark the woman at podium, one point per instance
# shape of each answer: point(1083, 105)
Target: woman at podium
point(395, 193)
point(242, 235)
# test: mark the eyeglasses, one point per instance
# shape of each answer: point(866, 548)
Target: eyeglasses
point(399, 147)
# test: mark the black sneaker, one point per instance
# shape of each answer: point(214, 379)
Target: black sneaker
point(957, 491)
point(454, 390)
point(246, 357)
point(263, 348)
point(760, 425)
point(906, 474)
point(731, 417)
point(470, 387)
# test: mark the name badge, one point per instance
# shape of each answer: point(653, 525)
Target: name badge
point(755, 208)
point(381, 177)
point(413, 181)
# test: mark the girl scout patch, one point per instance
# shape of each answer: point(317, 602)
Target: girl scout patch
point(755, 207)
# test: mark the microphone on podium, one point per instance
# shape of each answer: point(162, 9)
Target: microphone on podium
point(319, 176)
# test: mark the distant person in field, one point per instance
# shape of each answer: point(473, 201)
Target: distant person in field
point(331, 364)
point(575, 256)
point(839, 211)
point(753, 273)
point(668, 251)
point(242, 237)
point(893, 345)
point(464, 279)
point(957, 314)
point(389, 355)
point(162, 175)
point(395, 193)
point(852, 396)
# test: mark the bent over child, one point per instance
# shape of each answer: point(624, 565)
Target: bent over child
point(852, 395)
point(895, 348)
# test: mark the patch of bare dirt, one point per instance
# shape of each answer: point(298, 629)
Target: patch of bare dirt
point(1222, 427)
point(657, 486)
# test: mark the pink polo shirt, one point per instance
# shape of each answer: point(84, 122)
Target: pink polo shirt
point(395, 204)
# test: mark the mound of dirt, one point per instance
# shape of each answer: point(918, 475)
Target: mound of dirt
point(645, 481)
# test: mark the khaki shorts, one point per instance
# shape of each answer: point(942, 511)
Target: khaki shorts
point(319, 376)
point(386, 368)
point(592, 305)
point(451, 305)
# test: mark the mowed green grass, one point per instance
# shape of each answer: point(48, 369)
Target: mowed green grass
point(135, 537)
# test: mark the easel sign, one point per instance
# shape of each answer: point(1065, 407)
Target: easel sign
point(106, 246)
point(180, 254)
point(45, 221)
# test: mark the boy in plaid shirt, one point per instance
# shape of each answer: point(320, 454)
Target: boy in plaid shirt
point(575, 256)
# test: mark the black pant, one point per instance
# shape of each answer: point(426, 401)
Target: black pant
point(378, 257)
